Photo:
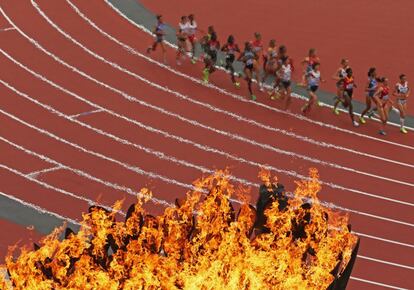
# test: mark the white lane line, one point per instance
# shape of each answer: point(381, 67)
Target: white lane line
point(197, 124)
point(158, 154)
point(386, 262)
point(86, 113)
point(234, 115)
point(383, 240)
point(48, 186)
point(377, 283)
point(162, 156)
point(7, 29)
point(84, 174)
point(243, 99)
point(138, 170)
point(38, 208)
point(35, 174)
point(194, 144)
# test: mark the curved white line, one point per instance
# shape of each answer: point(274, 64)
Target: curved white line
point(196, 123)
point(153, 175)
point(231, 114)
point(186, 141)
point(240, 98)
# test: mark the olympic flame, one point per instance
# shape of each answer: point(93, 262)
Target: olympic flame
point(201, 243)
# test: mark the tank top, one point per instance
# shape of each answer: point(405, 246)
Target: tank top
point(342, 73)
point(348, 83)
point(384, 93)
point(192, 28)
point(159, 29)
point(286, 72)
point(249, 56)
point(372, 84)
point(314, 78)
point(402, 88)
point(231, 48)
point(257, 46)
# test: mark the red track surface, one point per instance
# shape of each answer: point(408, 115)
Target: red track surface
point(369, 33)
point(386, 225)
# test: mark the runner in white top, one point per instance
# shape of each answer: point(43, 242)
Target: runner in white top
point(285, 75)
point(401, 92)
point(192, 31)
point(314, 79)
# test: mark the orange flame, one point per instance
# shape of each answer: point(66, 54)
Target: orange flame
point(201, 243)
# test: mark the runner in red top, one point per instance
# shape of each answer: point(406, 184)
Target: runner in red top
point(383, 93)
point(348, 92)
point(231, 48)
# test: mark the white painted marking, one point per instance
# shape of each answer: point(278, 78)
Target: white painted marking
point(86, 113)
point(84, 174)
point(383, 240)
point(35, 174)
point(377, 283)
point(158, 154)
point(186, 141)
point(386, 262)
point(241, 98)
point(162, 156)
point(7, 29)
point(231, 114)
point(48, 186)
point(38, 208)
point(195, 123)
point(153, 175)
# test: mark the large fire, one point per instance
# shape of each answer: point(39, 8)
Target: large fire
point(201, 243)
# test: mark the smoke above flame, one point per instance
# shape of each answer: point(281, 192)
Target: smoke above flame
point(204, 242)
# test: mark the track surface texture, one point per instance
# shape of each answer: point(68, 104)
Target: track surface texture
point(89, 118)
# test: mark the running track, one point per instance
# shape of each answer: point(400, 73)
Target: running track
point(88, 118)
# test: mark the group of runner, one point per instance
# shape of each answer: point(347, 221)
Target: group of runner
point(260, 64)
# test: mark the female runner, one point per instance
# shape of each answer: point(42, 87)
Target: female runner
point(282, 53)
point(192, 31)
point(248, 56)
point(308, 61)
point(402, 92)
point(257, 46)
point(348, 91)
point(339, 76)
point(383, 93)
point(270, 61)
point(205, 39)
point(314, 79)
point(370, 89)
point(213, 46)
point(159, 32)
point(285, 74)
point(182, 45)
point(231, 48)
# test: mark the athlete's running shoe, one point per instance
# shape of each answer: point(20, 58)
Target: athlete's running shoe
point(362, 120)
point(253, 97)
point(206, 75)
point(355, 123)
point(335, 111)
point(237, 85)
point(193, 61)
point(403, 130)
point(320, 104)
point(382, 132)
